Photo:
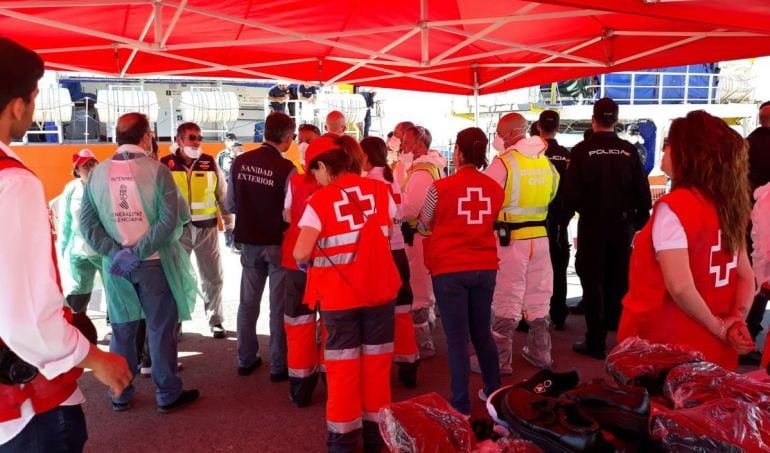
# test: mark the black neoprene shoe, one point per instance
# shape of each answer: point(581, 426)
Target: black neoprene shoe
point(554, 424)
point(624, 411)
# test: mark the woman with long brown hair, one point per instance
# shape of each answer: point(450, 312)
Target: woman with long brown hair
point(690, 281)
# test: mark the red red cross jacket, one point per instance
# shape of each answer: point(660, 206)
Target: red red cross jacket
point(342, 275)
point(649, 311)
point(463, 238)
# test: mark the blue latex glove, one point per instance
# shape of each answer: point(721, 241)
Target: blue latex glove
point(229, 237)
point(124, 262)
point(303, 265)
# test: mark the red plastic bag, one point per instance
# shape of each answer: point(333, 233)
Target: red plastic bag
point(638, 362)
point(693, 384)
point(425, 424)
point(724, 425)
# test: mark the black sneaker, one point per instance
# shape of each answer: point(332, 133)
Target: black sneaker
point(120, 407)
point(279, 377)
point(247, 370)
point(548, 383)
point(218, 331)
point(582, 348)
point(185, 399)
point(752, 358)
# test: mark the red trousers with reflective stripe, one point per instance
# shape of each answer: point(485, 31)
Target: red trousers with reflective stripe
point(303, 354)
point(404, 345)
point(358, 354)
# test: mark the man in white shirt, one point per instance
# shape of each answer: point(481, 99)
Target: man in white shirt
point(33, 324)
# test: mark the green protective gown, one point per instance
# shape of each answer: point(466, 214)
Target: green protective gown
point(161, 203)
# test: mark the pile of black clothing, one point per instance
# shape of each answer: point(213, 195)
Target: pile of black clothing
point(664, 399)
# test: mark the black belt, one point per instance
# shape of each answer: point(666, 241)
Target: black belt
point(513, 226)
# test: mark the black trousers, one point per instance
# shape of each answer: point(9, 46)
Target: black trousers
point(602, 261)
point(558, 244)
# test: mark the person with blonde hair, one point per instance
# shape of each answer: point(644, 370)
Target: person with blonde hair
point(690, 281)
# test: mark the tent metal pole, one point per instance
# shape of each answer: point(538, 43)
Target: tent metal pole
point(475, 69)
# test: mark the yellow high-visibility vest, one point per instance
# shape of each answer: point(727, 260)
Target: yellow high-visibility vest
point(435, 173)
point(199, 190)
point(530, 186)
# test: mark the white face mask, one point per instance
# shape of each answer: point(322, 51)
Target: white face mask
point(302, 150)
point(394, 143)
point(229, 143)
point(498, 143)
point(407, 159)
point(192, 153)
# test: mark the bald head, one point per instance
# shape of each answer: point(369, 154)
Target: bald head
point(335, 122)
point(512, 128)
point(764, 116)
point(132, 129)
point(401, 128)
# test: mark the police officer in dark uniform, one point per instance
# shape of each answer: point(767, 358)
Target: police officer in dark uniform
point(258, 182)
point(556, 223)
point(606, 185)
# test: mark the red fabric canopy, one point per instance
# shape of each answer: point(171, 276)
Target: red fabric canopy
point(450, 46)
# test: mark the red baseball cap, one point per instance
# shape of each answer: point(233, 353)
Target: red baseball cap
point(318, 146)
point(82, 156)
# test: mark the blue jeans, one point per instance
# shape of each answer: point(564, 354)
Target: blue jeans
point(161, 316)
point(260, 262)
point(60, 430)
point(465, 301)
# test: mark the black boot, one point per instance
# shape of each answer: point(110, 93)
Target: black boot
point(407, 374)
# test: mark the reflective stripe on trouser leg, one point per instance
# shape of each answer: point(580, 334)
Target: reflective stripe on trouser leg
point(404, 343)
point(502, 331)
point(300, 326)
point(342, 356)
point(405, 346)
point(422, 332)
point(378, 330)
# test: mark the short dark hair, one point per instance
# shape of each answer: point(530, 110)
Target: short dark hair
point(606, 112)
point(309, 127)
point(19, 76)
point(277, 126)
point(184, 127)
point(472, 144)
point(131, 128)
point(422, 134)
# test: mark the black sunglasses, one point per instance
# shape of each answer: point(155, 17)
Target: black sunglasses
point(195, 137)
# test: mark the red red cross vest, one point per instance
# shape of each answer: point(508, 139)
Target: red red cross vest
point(301, 187)
point(45, 394)
point(649, 311)
point(463, 238)
point(336, 280)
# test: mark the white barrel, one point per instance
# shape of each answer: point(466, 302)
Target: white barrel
point(353, 106)
point(209, 106)
point(111, 104)
point(53, 104)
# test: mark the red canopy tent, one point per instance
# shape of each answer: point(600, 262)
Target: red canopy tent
point(450, 46)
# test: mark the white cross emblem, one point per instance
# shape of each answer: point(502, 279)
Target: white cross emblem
point(716, 269)
point(471, 207)
point(350, 211)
